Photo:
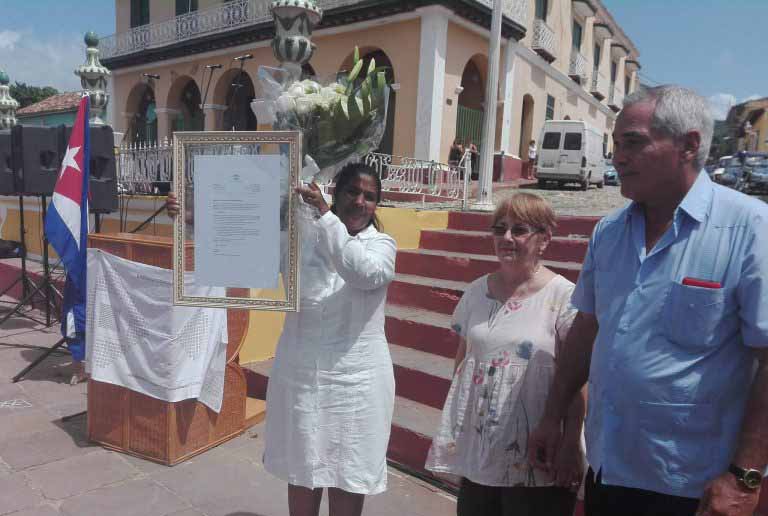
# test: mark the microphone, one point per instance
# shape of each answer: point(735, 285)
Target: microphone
point(213, 66)
point(151, 75)
point(243, 57)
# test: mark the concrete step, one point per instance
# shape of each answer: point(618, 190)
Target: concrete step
point(437, 295)
point(562, 249)
point(464, 266)
point(422, 330)
point(413, 423)
point(566, 225)
point(421, 377)
point(413, 427)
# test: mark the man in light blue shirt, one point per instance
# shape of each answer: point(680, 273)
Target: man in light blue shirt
point(672, 330)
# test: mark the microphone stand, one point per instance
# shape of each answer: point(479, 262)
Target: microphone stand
point(236, 85)
point(207, 87)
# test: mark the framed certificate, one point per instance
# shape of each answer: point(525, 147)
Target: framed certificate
point(235, 240)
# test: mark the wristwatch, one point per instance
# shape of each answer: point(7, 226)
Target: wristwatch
point(749, 478)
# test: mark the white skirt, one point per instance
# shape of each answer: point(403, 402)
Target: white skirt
point(329, 410)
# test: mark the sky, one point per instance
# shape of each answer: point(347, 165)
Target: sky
point(716, 47)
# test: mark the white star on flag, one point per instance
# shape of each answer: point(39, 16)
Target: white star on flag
point(69, 160)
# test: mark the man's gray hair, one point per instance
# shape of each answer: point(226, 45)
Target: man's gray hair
point(678, 111)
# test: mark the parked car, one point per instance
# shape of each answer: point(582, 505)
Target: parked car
point(756, 179)
point(719, 169)
point(717, 174)
point(732, 176)
point(570, 151)
point(610, 176)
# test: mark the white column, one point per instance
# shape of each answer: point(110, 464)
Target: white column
point(165, 118)
point(485, 183)
point(110, 115)
point(214, 120)
point(431, 95)
point(507, 91)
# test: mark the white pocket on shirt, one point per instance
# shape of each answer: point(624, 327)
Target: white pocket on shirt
point(692, 314)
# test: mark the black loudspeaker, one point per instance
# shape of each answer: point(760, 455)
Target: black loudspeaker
point(7, 179)
point(103, 170)
point(37, 156)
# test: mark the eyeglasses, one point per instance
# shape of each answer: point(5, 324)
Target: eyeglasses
point(517, 230)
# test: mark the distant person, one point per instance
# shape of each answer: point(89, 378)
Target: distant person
point(531, 160)
point(475, 155)
point(456, 152)
point(511, 325)
point(672, 329)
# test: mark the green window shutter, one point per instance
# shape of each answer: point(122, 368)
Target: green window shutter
point(139, 13)
point(185, 6)
point(550, 114)
point(576, 36)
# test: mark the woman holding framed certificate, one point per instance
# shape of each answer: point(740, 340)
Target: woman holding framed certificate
point(331, 390)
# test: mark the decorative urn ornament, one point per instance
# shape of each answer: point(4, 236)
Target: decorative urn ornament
point(294, 21)
point(8, 104)
point(93, 78)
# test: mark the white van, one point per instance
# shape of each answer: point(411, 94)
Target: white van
point(570, 151)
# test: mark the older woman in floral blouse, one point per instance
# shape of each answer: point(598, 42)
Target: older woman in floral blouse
point(511, 324)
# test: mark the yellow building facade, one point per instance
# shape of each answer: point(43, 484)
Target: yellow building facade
point(560, 58)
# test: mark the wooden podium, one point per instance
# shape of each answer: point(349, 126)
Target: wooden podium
point(161, 431)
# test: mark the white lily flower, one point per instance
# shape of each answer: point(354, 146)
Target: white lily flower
point(296, 90)
point(285, 103)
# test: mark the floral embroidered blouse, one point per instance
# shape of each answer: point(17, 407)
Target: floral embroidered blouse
point(498, 392)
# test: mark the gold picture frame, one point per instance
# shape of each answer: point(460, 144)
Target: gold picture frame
point(219, 147)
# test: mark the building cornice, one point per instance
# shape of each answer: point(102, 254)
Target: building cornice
point(249, 36)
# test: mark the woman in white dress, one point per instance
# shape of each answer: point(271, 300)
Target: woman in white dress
point(331, 390)
point(511, 324)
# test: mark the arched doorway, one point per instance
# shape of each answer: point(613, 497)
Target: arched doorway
point(238, 115)
point(382, 61)
point(526, 125)
point(184, 96)
point(142, 128)
point(469, 112)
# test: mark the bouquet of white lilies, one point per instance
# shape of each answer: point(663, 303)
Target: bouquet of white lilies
point(341, 121)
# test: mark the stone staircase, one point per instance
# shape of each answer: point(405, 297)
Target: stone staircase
point(428, 285)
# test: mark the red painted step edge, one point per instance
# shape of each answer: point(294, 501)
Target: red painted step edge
point(560, 249)
point(422, 337)
point(566, 225)
point(437, 299)
point(454, 268)
point(421, 387)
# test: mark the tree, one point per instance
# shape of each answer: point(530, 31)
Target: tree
point(28, 95)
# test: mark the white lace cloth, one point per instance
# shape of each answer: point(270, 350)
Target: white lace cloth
point(138, 339)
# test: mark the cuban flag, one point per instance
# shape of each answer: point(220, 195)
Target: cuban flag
point(66, 227)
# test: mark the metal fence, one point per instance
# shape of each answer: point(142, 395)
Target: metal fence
point(436, 183)
point(147, 169)
point(142, 168)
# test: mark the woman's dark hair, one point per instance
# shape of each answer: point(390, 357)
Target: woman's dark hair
point(349, 173)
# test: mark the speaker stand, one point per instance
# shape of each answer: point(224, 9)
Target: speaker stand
point(29, 288)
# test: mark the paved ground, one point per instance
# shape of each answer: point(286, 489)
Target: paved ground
point(48, 468)
point(567, 200)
